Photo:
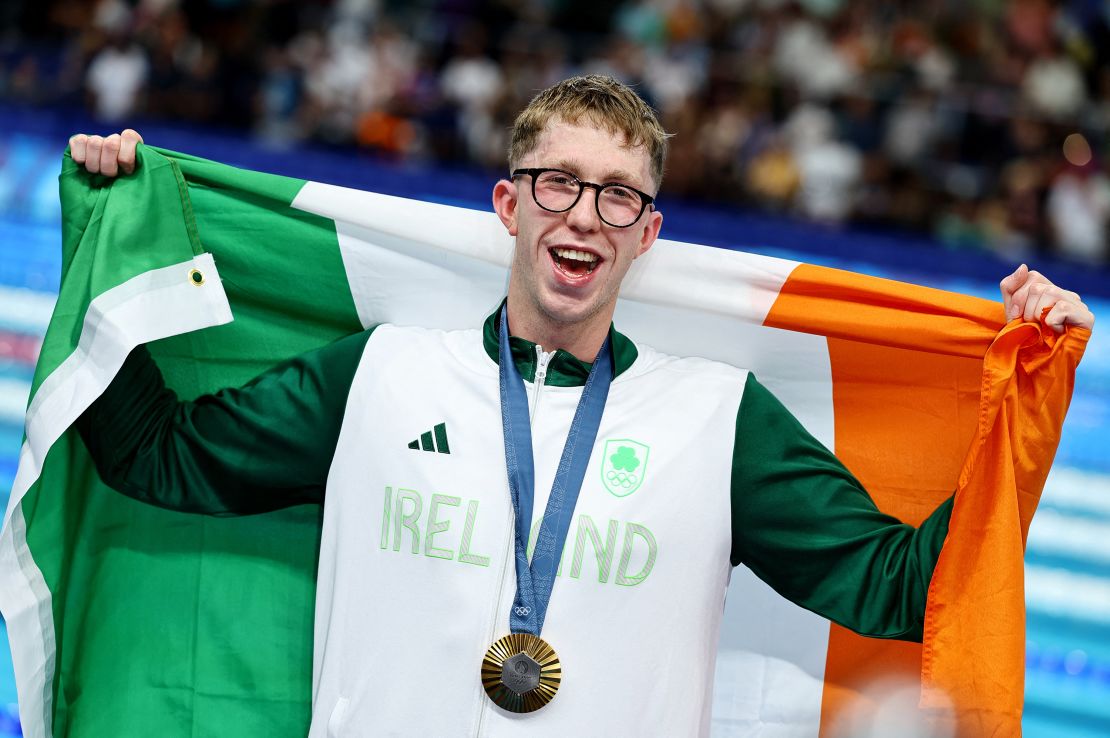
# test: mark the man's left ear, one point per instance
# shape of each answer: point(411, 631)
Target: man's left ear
point(651, 231)
point(505, 204)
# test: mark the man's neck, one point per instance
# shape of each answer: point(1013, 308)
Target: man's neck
point(582, 339)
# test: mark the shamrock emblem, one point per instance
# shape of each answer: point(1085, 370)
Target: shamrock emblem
point(624, 465)
point(625, 459)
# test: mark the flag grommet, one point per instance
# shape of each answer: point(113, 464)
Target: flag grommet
point(196, 277)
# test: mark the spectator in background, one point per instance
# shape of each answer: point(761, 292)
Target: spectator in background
point(829, 169)
point(1054, 86)
point(773, 177)
point(912, 127)
point(1078, 211)
point(335, 78)
point(473, 82)
point(279, 98)
point(118, 73)
point(942, 119)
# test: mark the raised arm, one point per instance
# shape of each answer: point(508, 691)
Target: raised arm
point(806, 526)
point(253, 449)
point(264, 446)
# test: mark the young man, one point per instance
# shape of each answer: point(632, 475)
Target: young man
point(411, 638)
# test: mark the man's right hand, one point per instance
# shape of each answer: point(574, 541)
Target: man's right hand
point(106, 155)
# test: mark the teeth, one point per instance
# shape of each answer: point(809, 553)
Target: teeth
point(576, 255)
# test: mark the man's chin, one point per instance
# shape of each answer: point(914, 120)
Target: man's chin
point(568, 310)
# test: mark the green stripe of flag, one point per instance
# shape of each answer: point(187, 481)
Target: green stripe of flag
point(232, 638)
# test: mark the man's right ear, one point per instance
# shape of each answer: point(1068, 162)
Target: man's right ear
point(505, 204)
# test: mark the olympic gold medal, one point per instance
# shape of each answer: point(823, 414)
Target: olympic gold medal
point(521, 672)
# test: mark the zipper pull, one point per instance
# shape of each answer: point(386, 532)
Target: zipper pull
point(542, 358)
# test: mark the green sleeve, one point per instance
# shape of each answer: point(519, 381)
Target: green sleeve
point(806, 526)
point(261, 447)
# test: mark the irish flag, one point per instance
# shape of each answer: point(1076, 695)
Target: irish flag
point(129, 620)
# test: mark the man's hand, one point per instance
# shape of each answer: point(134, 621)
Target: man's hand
point(1030, 296)
point(107, 156)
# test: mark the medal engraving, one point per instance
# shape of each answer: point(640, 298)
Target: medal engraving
point(521, 672)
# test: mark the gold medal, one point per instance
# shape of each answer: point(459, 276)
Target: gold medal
point(521, 672)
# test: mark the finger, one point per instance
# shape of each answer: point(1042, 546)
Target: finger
point(77, 147)
point(1058, 316)
point(1009, 285)
point(129, 139)
point(1065, 313)
point(1033, 285)
point(109, 156)
point(92, 154)
point(1082, 318)
point(1040, 301)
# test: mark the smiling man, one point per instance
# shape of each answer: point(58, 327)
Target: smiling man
point(542, 423)
point(570, 259)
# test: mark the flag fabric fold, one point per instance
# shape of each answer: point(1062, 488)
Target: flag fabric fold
point(130, 620)
point(1026, 382)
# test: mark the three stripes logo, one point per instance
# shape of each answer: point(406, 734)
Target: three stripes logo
point(434, 440)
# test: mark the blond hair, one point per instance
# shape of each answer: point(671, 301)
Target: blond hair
point(600, 100)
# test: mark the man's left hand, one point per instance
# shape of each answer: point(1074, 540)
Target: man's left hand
point(1030, 295)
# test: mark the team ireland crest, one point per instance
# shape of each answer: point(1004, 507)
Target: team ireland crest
point(623, 466)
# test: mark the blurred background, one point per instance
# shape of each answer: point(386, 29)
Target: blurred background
point(940, 143)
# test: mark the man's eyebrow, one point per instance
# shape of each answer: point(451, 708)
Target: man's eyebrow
point(614, 175)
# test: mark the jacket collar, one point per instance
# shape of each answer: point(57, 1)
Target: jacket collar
point(564, 369)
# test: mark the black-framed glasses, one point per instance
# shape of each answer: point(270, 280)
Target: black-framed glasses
point(556, 191)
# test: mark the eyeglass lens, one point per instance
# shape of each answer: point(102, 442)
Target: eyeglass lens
point(618, 206)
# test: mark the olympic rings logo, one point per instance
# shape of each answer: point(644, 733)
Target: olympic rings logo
point(622, 479)
point(522, 611)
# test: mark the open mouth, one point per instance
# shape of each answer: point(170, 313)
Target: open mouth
point(574, 263)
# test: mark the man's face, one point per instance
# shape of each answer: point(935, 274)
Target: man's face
point(557, 286)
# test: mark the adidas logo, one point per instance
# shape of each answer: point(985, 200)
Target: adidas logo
point(433, 440)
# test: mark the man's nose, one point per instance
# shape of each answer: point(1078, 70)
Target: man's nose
point(583, 216)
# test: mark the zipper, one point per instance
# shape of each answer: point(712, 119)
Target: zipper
point(543, 358)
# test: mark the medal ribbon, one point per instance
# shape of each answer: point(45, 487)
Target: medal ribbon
point(534, 581)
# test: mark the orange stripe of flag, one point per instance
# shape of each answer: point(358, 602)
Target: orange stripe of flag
point(974, 650)
point(908, 375)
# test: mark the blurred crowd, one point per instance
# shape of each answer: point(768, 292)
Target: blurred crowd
point(981, 122)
